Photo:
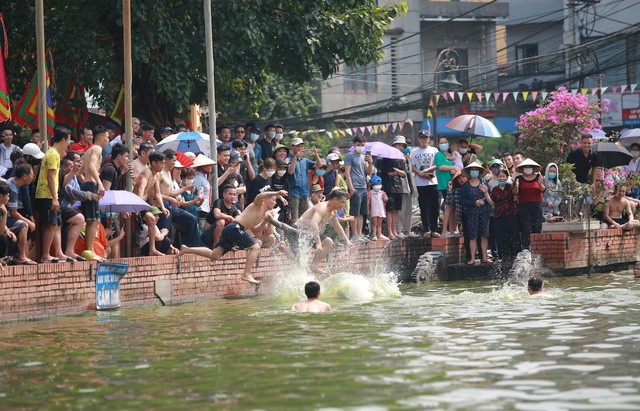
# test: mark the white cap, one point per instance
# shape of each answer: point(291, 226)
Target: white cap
point(296, 141)
point(32, 150)
point(333, 157)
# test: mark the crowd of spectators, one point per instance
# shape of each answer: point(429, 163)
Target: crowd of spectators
point(50, 201)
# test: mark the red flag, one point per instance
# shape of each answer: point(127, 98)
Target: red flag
point(186, 117)
point(73, 110)
point(27, 108)
point(5, 102)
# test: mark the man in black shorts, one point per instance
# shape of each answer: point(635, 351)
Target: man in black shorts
point(234, 234)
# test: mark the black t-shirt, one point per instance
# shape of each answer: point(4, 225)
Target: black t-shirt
point(391, 184)
point(112, 174)
point(267, 148)
point(219, 204)
point(582, 164)
point(255, 187)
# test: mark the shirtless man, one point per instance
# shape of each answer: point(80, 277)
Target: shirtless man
point(185, 222)
point(90, 169)
point(153, 196)
point(612, 212)
point(313, 304)
point(235, 233)
point(141, 169)
point(313, 221)
point(535, 286)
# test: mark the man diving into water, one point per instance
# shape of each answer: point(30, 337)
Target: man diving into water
point(234, 234)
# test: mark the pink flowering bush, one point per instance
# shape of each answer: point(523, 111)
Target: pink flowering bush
point(548, 133)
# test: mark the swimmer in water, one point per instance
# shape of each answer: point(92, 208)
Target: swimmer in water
point(313, 304)
point(535, 286)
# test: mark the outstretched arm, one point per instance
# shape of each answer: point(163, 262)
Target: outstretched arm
point(260, 197)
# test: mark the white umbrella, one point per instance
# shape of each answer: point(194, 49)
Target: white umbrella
point(187, 141)
point(474, 125)
point(630, 136)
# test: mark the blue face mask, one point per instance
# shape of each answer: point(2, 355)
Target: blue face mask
point(320, 172)
point(254, 137)
point(502, 183)
point(444, 147)
point(406, 150)
point(551, 176)
point(474, 173)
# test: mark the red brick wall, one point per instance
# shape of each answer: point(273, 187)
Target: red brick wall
point(49, 289)
point(565, 251)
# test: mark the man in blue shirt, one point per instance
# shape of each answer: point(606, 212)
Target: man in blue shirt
point(298, 171)
point(357, 166)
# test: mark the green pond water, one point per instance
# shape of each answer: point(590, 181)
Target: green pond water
point(437, 346)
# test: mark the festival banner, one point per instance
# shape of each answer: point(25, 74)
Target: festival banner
point(5, 102)
point(73, 110)
point(117, 114)
point(26, 113)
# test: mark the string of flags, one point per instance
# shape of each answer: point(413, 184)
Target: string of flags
point(466, 96)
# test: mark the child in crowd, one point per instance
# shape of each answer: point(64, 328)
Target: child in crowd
point(552, 197)
point(163, 243)
point(453, 154)
point(377, 199)
point(452, 210)
point(505, 217)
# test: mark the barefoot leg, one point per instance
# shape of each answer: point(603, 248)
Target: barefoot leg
point(202, 251)
point(252, 255)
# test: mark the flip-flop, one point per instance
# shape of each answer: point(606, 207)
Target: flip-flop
point(80, 258)
point(70, 260)
point(52, 261)
point(27, 262)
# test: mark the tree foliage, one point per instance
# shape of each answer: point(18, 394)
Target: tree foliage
point(292, 39)
point(284, 99)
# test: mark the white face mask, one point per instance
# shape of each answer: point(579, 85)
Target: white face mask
point(635, 153)
point(377, 187)
point(271, 134)
point(527, 170)
point(463, 150)
point(235, 183)
point(359, 149)
point(281, 172)
point(270, 173)
point(279, 136)
point(188, 181)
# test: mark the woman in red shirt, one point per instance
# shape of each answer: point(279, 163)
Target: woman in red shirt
point(505, 214)
point(528, 190)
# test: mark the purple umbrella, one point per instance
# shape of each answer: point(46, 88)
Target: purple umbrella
point(120, 201)
point(380, 149)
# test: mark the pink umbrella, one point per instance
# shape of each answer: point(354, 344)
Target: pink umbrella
point(474, 125)
point(380, 149)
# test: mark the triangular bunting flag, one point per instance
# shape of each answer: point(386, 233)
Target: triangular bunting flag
point(342, 133)
point(329, 133)
point(574, 91)
point(594, 91)
point(349, 131)
point(429, 115)
point(460, 96)
point(362, 130)
point(394, 126)
point(544, 95)
point(370, 130)
point(383, 128)
point(452, 96)
point(470, 95)
point(515, 95)
point(399, 126)
point(525, 94)
point(583, 91)
point(534, 96)
point(354, 131)
point(504, 97)
point(495, 97)
point(632, 87)
point(479, 96)
point(375, 129)
point(623, 88)
point(487, 96)
point(604, 89)
point(614, 89)
point(444, 95)
point(437, 98)
point(409, 121)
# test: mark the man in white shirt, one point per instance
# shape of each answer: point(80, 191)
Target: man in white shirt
point(424, 167)
point(6, 148)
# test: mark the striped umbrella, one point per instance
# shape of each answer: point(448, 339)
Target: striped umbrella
point(474, 125)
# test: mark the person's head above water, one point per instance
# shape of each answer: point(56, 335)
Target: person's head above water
point(312, 289)
point(535, 285)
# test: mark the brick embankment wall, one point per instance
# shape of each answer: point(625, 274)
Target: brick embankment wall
point(565, 252)
point(570, 251)
point(63, 288)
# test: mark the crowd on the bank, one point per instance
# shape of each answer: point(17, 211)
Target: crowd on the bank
point(54, 195)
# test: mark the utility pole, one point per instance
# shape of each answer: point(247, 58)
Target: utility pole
point(42, 73)
point(211, 95)
point(569, 38)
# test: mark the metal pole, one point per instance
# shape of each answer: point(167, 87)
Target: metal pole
point(434, 113)
point(128, 111)
point(42, 75)
point(211, 95)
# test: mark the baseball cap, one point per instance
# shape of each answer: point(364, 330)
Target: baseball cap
point(255, 129)
point(376, 180)
point(424, 133)
point(333, 157)
point(296, 141)
point(281, 163)
point(164, 130)
point(235, 157)
point(32, 150)
point(155, 210)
